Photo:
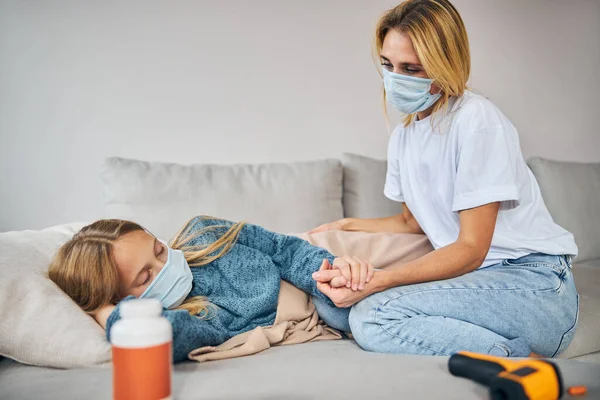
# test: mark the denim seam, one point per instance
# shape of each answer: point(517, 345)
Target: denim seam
point(555, 267)
point(403, 339)
point(468, 288)
point(504, 348)
point(574, 326)
point(562, 277)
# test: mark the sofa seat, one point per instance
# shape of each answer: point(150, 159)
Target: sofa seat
point(331, 370)
point(586, 343)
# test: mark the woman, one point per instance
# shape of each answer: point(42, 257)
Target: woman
point(499, 280)
point(241, 268)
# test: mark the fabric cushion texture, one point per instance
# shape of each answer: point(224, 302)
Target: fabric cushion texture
point(571, 192)
point(39, 324)
point(364, 179)
point(280, 197)
point(587, 334)
point(330, 370)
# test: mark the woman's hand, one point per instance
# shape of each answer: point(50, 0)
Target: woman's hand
point(330, 226)
point(343, 297)
point(331, 283)
point(102, 314)
point(356, 272)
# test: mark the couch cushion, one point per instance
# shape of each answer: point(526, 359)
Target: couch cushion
point(595, 263)
point(39, 324)
point(322, 370)
point(364, 179)
point(591, 357)
point(571, 192)
point(587, 336)
point(291, 197)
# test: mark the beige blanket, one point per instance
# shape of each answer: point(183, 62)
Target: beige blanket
point(296, 320)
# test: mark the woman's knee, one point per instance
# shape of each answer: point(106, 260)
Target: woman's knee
point(365, 324)
point(371, 330)
point(359, 319)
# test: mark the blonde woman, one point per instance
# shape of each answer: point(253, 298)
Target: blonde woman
point(232, 287)
point(499, 280)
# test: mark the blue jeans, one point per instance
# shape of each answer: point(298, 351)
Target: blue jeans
point(508, 309)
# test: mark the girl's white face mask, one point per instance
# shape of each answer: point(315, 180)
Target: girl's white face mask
point(408, 94)
point(173, 283)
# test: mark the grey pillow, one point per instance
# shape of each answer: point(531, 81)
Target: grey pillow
point(364, 179)
point(290, 197)
point(571, 192)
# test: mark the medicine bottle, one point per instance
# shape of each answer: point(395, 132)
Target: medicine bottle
point(141, 352)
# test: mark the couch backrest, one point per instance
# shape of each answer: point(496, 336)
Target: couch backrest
point(571, 192)
point(162, 197)
point(364, 179)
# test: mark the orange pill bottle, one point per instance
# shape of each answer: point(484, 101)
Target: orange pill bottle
point(142, 352)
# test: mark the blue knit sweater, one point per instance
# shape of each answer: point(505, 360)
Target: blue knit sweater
point(243, 284)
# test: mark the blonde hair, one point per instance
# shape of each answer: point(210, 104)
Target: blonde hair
point(439, 37)
point(85, 269)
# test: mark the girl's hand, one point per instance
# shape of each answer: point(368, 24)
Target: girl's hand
point(356, 273)
point(330, 226)
point(101, 316)
point(332, 277)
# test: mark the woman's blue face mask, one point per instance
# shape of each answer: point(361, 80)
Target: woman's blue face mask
point(408, 94)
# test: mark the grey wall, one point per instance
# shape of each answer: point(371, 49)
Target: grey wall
point(237, 81)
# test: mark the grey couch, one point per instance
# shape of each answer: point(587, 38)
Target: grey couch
point(293, 198)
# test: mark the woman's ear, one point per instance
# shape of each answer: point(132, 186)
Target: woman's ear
point(435, 89)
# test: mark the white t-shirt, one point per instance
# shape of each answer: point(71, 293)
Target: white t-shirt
point(470, 157)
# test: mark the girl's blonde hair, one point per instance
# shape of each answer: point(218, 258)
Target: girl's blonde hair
point(85, 269)
point(440, 40)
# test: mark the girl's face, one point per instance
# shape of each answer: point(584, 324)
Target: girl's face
point(398, 55)
point(139, 257)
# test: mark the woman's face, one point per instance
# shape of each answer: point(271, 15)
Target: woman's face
point(139, 257)
point(398, 55)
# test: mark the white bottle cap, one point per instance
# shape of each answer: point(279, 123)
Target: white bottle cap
point(141, 308)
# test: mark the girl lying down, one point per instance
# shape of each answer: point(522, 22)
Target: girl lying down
point(232, 285)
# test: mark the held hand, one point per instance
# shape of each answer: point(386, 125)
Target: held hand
point(332, 284)
point(327, 274)
point(356, 272)
point(330, 226)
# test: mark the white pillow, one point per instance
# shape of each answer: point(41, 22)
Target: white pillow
point(39, 324)
point(292, 197)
